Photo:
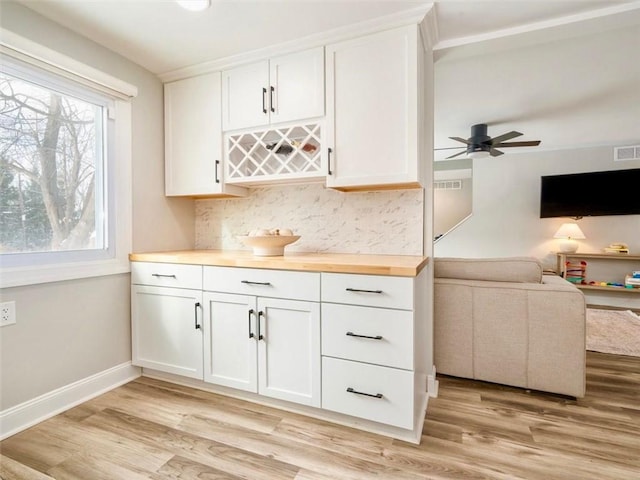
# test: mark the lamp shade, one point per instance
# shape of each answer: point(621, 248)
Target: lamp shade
point(568, 232)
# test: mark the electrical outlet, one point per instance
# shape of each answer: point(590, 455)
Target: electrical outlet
point(7, 313)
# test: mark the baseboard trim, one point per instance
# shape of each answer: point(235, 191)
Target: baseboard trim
point(31, 412)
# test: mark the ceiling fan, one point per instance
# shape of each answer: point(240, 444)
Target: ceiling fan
point(480, 145)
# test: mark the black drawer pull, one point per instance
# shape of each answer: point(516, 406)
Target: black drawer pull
point(197, 305)
point(260, 335)
point(351, 334)
point(264, 101)
point(271, 98)
point(377, 395)
point(362, 291)
point(249, 282)
point(251, 312)
point(164, 276)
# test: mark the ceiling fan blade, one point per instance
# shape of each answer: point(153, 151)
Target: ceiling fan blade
point(447, 148)
point(532, 143)
point(456, 155)
point(495, 153)
point(466, 142)
point(503, 137)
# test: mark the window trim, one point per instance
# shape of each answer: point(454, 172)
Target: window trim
point(120, 187)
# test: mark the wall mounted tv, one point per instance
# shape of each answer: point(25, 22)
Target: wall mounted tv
point(614, 192)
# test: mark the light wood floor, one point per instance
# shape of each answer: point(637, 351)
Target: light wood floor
point(149, 429)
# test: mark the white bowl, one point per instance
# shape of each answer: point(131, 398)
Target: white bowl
point(268, 245)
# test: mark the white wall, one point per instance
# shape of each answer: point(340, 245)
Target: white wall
point(67, 331)
point(579, 96)
point(451, 205)
point(506, 207)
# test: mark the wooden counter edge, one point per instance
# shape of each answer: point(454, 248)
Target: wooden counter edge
point(369, 264)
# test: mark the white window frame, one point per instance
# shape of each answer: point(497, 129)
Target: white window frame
point(118, 164)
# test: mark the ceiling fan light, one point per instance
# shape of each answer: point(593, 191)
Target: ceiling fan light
point(477, 153)
point(194, 5)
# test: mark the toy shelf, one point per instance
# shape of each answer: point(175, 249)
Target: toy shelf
point(562, 261)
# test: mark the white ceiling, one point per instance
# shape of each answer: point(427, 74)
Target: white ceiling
point(163, 37)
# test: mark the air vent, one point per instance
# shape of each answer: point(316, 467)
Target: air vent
point(622, 154)
point(448, 185)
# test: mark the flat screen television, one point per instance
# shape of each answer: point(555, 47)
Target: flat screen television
point(614, 192)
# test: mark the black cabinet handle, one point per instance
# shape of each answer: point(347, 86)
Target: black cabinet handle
point(351, 334)
point(377, 395)
point(264, 101)
point(329, 150)
point(197, 305)
point(217, 166)
point(251, 312)
point(159, 275)
point(249, 282)
point(362, 291)
point(260, 315)
point(271, 99)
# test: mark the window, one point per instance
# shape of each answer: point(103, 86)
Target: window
point(64, 173)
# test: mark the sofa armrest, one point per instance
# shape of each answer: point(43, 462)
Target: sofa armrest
point(530, 335)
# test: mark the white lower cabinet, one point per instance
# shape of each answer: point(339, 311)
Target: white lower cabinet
point(373, 392)
point(230, 342)
point(167, 321)
point(369, 367)
point(366, 334)
point(269, 346)
point(351, 345)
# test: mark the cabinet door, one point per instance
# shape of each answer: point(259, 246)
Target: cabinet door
point(372, 110)
point(230, 336)
point(166, 329)
point(298, 86)
point(193, 138)
point(245, 96)
point(289, 351)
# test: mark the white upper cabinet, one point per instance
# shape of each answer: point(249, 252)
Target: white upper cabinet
point(282, 89)
point(375, 110)
point(193, 138)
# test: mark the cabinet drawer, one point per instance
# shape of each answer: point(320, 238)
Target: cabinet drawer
point(345, 329)
point(368, 290)
point(264, 283)
point(395, 387)
point(167, 275)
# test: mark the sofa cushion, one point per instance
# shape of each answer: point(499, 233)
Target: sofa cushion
point(509, 269)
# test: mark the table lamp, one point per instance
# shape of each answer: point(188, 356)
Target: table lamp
point(568, 233)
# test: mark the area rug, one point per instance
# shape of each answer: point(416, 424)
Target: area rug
point(613, 331)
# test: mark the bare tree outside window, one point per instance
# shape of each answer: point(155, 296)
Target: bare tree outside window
point(50, 160)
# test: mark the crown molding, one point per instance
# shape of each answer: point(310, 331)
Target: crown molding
point(618, 15)
point(407, 17)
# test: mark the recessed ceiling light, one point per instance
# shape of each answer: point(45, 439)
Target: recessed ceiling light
point(194, 5)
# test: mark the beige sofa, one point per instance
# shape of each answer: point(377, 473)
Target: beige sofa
point(501, 320)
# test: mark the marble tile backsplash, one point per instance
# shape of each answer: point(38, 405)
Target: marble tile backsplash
point(385, 222)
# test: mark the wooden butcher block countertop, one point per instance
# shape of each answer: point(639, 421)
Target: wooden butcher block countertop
point(392, 265)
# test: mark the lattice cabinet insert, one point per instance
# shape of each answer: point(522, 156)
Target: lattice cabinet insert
point(277, 154)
